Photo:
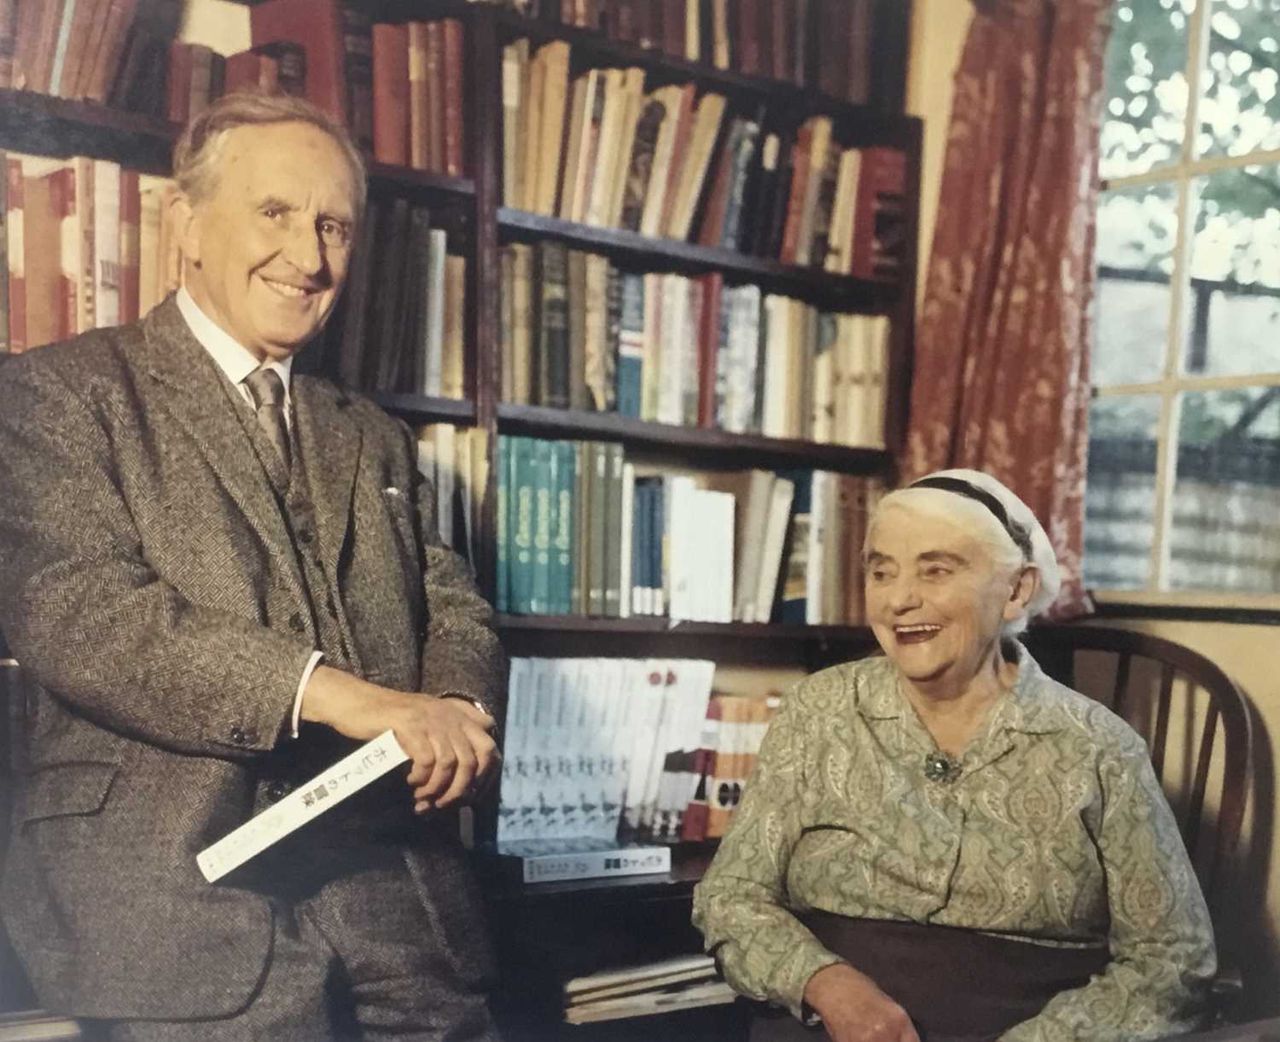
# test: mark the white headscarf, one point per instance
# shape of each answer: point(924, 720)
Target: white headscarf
point(1042, 554)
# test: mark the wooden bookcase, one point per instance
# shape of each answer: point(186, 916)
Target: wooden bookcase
point(543, 932)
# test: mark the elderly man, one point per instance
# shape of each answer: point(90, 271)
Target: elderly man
point(221, 578)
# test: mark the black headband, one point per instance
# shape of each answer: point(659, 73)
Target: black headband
point(1018, 533)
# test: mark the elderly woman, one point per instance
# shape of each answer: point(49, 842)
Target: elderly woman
point(943, 843)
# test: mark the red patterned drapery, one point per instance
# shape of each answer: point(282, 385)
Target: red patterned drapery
point(1001, 378)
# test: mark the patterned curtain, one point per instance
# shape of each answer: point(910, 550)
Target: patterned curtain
point(1001, 378)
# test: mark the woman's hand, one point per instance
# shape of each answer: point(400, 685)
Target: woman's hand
point(854, 1009)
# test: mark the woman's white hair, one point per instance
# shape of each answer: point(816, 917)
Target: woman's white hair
point(983, 524)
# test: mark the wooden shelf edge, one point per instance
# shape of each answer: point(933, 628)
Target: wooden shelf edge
point(405, 177)
point(427, 409)
point(839, 291)
point(43, 124)
point(538, 419)
point(654, 625)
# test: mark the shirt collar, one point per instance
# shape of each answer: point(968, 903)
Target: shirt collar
point(1028, 708)
point(234, 359)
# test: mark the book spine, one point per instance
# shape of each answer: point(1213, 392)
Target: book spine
point(523, 518)
point(631, 345)
point(454, 117)
point(565, 510)
point(390, 94)
point(613, 532)
point(357, 49)
point(502, 522)
point(553, 347)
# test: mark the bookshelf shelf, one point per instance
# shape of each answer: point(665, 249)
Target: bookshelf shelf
point(835, 292)
point(581, 624)
point(599, 49)
point(45, 125)
point(711, 446)
point(407, 181)
point(424, 409)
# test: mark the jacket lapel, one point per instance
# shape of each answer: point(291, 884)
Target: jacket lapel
point(329, 439)
point(199, 397)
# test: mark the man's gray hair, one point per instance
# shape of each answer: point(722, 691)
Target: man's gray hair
point(195, 156)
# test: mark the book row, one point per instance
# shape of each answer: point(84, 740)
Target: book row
point(399, 326)
point(599, 746)
point(108, 51)
point(577, 332)
point(669, 163)
point(403, 81)
point(583, 531)
point(820, 43)
point(86, 245)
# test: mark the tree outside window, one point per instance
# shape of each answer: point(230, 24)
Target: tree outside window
point(1183, 496)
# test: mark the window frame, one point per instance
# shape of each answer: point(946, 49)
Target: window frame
point(1181, 173)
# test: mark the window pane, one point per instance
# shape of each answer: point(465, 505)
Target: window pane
point(1226, 500)
point(1120, 493)
point(1233, 322)
point(1146, 83)
point(1239, 109)
point(1137, 228)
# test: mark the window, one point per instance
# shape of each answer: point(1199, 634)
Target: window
point(1183, 497)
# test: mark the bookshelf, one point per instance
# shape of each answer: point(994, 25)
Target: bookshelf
point(480, 225)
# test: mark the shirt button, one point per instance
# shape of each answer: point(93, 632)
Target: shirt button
point(296, 623)
point(306, 534)
point(277, 791)
point(238, 736)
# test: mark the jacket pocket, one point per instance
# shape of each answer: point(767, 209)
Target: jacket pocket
point(64, 790)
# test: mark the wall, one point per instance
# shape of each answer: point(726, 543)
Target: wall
point(1249, 654)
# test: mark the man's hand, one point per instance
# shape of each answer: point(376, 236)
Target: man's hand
point(448, 740)
point(854, 1009)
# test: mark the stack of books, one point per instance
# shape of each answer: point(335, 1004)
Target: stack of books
point(684, 982)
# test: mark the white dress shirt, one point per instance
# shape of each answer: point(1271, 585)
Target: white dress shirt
point(236, 361)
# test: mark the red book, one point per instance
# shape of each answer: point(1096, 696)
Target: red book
point(110, 48)
point(178, 83)
point(673, 27)
point(130, 230)
point(795, 202)
point(435, 97)
point(748, 38)
point(711, 287)
point(453, 107)
point(391, 94)
point(879, 221)
point(780, 26)
point(249, 69)
point(316, 25)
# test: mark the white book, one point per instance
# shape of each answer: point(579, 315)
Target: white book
point(651, 365)
point(106, 243)
point(671, 368)
point(563, 795)
point(445, 436)
point(648, 975)
point(753, 519)
point(777, 383)
point(878, 380)
point(666, 736)
point(744, 351)
point(512, 799)
point(597, 691)
point(815, 565)
point(617, 679)
point(543, 812)
point(433, 367)
point(771, 550)
point(684, 544)
point(714, 530)
point(647, 1003)
point(649, 698)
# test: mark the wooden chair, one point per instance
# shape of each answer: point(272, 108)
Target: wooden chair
point(1197, 726)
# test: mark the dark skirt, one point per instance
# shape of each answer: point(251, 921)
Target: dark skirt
point(957, 985)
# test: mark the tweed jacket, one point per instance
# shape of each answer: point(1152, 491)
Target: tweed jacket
point(149, 585)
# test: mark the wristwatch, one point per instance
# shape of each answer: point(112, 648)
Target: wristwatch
point(468, 698)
